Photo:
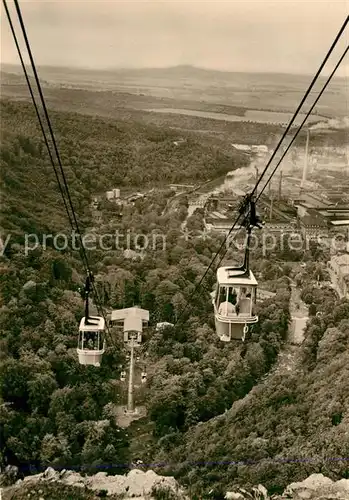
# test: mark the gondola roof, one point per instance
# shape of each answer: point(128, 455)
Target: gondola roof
point(230, 276)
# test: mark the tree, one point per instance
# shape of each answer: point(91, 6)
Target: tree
point(40, 390)
point(14, 383)
point(55, 451)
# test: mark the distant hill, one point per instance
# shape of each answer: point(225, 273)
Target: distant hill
point(13, 78)
point(181, 71)
point(17, 78)
point(263, 91)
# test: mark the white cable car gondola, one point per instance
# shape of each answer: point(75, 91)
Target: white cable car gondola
point(91, 343)
point(234, 299)
point(234, 303)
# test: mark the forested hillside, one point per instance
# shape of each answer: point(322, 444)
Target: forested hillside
point(55, 412)
point(99, 153)
point(295, 425)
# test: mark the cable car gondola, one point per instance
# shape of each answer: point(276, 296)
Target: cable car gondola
point(91, 343)
point(235, 297)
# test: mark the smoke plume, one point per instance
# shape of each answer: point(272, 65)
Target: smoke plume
point(334, 124)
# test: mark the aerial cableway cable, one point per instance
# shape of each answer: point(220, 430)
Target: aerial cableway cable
point(305, 119)
point(328, 80)
point(72, 219)
point(53, 139)
point(76, 228)
point(252, 194)
point(36, 109)
point(316, 76)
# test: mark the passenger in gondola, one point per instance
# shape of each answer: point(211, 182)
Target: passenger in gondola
point(226, 308)
point(244, 301)
point(223, 294)
point(95, 341)
point(232, 296)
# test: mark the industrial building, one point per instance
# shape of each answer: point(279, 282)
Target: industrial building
point(220, 223)
point(295, 204)
point(278, 215)
point(319, 215)
point(259, 149)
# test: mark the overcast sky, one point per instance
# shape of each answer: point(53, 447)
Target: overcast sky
point(281, 35)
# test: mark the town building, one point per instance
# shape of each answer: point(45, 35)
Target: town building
point(242, 147)
point(339, 265)
point(180, 188)
point(161, 326)
point(134, 197)
point(178, 142)
point(113, 194)
point(259, 149)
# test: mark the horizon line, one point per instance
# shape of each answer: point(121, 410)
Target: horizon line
point(152, 68)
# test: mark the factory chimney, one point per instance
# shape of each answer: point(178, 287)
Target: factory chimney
point(305, 167)
point(271, 208)
point(257, 173)
point(280, 186)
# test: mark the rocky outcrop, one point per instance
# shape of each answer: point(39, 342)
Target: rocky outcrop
point(137, 484)
point(318, 487)
point(140, 485)
point(315, 487)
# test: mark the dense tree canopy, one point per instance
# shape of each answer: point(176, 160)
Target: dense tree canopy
point(206, 401)
point(299, 418)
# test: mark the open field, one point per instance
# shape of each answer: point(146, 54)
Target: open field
point(253, 115)
point(204, 103)
point(187, 87)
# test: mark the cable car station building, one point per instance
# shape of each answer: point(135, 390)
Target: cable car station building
point(131, 322)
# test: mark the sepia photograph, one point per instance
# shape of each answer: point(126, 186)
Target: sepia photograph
point(174, 250)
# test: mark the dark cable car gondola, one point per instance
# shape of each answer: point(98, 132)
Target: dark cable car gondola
point(91, 343)
point(235, 297)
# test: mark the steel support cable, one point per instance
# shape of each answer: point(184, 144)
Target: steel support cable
point(83, 252)
point(82, 248)
point(85, 261)
point(303, 100)
point(329, 78)
point(270, 160)
point(42, 98)
point(289, 126)
point(305, 119)
point(36, 108)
